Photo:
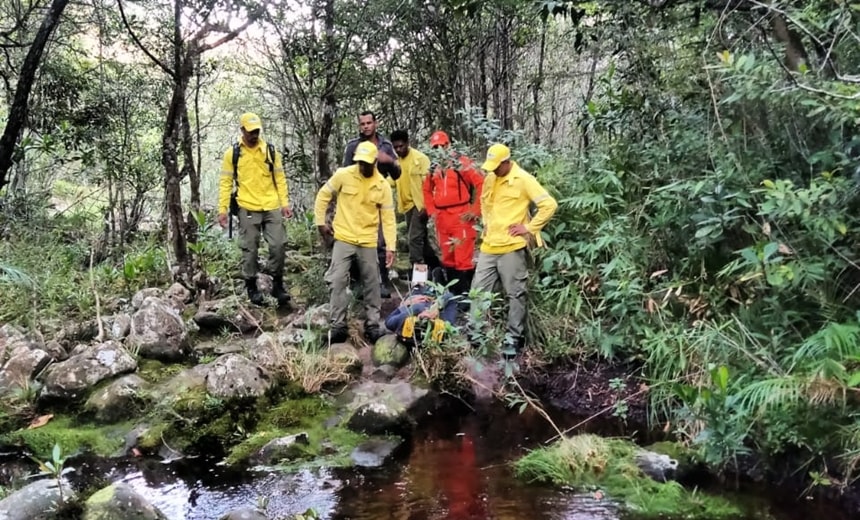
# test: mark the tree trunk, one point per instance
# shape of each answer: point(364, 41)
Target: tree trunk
point(18, 110)
point(172, 174)
point(170, 145)
point(329, 101)
point(189, 169)
point(795, 52)
point(538, 83)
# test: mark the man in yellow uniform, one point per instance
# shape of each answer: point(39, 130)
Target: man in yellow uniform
point(508, 234)
point(414, 166)
point(363, 198)
point(262, 201)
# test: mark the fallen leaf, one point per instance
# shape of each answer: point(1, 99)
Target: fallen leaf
point(651, 306)
point(40, 421)
point(136, 452)
point(785, 250)
point(766, 229)
point(655, 274)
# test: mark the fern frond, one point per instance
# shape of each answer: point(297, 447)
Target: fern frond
point(760, 396)
point(14, 276)
point(835, 341)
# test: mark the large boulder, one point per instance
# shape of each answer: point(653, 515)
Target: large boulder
point(36, 500)
point(23, 365)
point(388, 351)
point(12, 338)
point(232, 375)
point(267, 353)
point(386, 408)
point(141, 296)
point(157, 331)
point(227, 314)
point(72, 378)
point(120, 502)
point(118, 400)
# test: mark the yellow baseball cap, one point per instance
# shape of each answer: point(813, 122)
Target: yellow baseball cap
point(365, 152)
point(250, 122)
point(496, 155)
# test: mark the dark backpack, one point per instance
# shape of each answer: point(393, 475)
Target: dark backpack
point(270, 160)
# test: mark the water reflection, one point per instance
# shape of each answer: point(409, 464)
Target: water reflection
point(215, 491)
point(457, 470)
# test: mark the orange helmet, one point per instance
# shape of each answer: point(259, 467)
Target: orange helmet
point(439, 138)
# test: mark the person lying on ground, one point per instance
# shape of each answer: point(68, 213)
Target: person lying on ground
point(421, 311)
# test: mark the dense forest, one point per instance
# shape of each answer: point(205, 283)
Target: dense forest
point(703, 153)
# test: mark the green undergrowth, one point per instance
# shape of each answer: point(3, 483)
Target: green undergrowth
point(589, 462)
point(327, 445)
point(154, 371)
point(72, 436)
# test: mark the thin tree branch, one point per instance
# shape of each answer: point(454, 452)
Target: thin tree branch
point(224, 39)
point(139, 44)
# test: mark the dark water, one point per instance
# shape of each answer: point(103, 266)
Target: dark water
point(455, 468)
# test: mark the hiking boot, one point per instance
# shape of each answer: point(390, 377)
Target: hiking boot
point(278, 291)
point(337, 334)
point(254, 294)
point(512, 348)
point(373, 333)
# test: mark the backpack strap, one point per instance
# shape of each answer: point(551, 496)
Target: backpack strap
point(236, 151)
point(270, 160)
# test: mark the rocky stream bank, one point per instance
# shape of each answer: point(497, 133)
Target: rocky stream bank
point(169, 380)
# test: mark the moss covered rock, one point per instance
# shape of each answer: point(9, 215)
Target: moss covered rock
point(347, 355)
point(388, 351)
point(37, 500)
point(120, 502)
point(121, 399)
point(591, 462)
point(232, 375)
point(72, 378)
point(72, 436)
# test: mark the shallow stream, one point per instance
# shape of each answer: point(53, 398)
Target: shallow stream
point(455, 467)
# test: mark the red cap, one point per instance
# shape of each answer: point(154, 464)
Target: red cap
point(439, 138)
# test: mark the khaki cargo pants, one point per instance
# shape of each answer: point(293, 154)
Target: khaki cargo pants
point(271, 225)
point(512, 270)
point(337, 278)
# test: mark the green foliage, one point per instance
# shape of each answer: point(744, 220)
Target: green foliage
point(45, 272)
point(69, 437)
point(707, 230)
point(591, 463)
point(330, 446)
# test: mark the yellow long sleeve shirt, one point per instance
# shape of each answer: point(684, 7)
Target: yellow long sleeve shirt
point(361, 203)
point(413, 169)
point(505, 201)
point(257, 190)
